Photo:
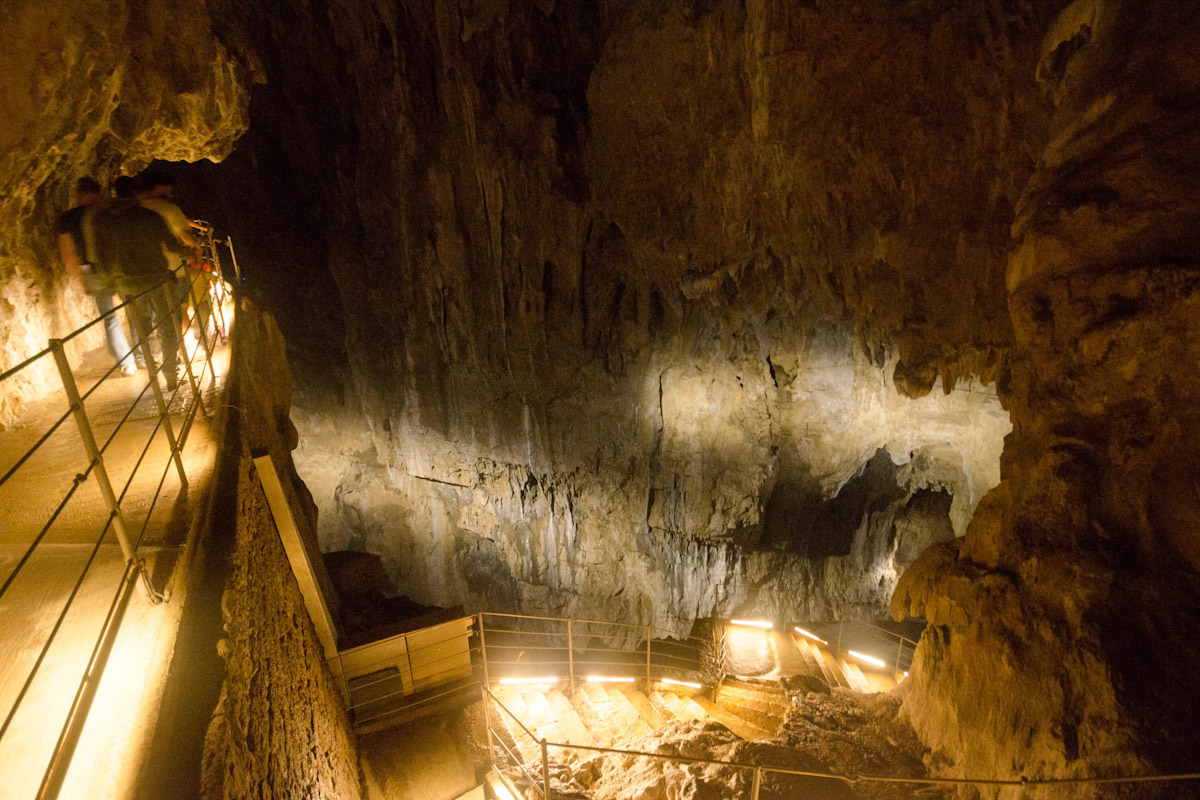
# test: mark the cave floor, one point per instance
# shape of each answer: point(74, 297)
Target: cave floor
point(57, 583)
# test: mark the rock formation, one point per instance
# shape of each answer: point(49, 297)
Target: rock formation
point(626, 294)
point(91, 88)
point(658, 310)
point(1065, 621)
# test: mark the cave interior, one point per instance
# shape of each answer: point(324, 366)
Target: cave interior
point(663, 312)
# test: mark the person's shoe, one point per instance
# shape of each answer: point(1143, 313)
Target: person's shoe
point(129, 369)
point(172, 380)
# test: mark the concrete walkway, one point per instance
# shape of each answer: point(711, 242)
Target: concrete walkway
point(73, 569)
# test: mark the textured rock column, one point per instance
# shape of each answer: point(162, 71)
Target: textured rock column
point(1065, 627)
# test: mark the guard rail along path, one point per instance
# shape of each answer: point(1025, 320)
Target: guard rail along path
point(475, 657)
point(64, 587)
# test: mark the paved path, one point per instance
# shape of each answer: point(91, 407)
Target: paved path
point(31, 605)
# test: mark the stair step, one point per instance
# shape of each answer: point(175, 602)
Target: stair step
point(660, 705)
point(762, 700)
point(572, 726)
point(804, 647)
point(828, 669)
point(741, 727)
point(763, 687)
point(593, 718)
point(540, 713)
point(776, 706)
point(672, 703)
point(788, 656)
point(633, 724)
point(854, 676)
point(646, 709)
point(768, 716)
point(690, 705)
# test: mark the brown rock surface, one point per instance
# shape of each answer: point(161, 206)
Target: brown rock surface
point(1065, 622)
point(280, 728)
point(91, 87)
point(627, 291)
point(593, 307)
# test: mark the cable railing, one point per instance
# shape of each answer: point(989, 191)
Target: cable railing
point(863, 638)
point(755, 775)
point(48, 576)
point(458, 659)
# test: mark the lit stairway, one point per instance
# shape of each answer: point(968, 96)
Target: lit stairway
point(836, 671)
point(753, 709)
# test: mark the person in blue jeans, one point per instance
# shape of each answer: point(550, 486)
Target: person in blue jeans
point(130, 245)
point(73, 251)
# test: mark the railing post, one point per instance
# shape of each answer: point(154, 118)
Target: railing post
point(135, 319)
point(487, 723)
point(97, 460)
point(756, 783)
point(649, 636)
point(232, 255)
point(201, 340)
point(483, 653)
point(570, 656)
point(545, 770)
point(899, 654)
point(841, 622)
point(412, 676)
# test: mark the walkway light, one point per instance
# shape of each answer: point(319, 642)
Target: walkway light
point(753, 623)
point(608, 679)
point(812, 636)
point(526, 681)
point(688, 684)
point(879, 662)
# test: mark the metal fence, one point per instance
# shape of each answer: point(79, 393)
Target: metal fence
point(42, 578)
point(472, 654)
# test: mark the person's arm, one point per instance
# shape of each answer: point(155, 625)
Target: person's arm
point(70, 259)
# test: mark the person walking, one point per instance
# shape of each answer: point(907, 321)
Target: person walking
point(157, 193)
point(73, 251)
point(129, 243)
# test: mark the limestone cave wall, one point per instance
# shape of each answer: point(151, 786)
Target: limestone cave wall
point(1065, 620)
point(91, 87)
point(598, 303)
point(658, 310)
point(280, 728)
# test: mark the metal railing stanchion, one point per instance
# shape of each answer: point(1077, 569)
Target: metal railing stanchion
point(233, 256)
point(483, 653)
point(649, 636)
point(136, 320)
point(570, 656)
point(487, 723)
point(545, 769)
point(173, 304)
point(97, 460)
point(412, 676)
point(756, 783)
point(899, 655)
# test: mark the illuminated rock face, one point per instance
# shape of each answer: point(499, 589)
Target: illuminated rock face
point(91, 91)
point(624, 294)
point(634, 312)
point(1065, 623)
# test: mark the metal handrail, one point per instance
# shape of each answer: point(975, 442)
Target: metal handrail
point(760, 769)
point(114, 519)
point(639, 628)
